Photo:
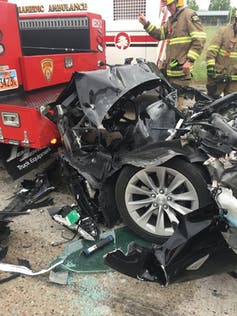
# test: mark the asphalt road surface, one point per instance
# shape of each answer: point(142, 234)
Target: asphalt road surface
point(101, 294)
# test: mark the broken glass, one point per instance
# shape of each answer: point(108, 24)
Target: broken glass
point(76, 261)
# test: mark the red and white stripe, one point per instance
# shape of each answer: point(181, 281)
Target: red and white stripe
point(163, 15)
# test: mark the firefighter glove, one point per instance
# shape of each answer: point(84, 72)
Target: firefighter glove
point(174, 63)
point(211, 71)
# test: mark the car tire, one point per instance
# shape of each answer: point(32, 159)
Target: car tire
point(151, 200)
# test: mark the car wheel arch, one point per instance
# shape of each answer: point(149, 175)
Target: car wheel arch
point(129, 171)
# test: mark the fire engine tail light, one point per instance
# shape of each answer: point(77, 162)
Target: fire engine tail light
point(53, 141)
point(10, 119)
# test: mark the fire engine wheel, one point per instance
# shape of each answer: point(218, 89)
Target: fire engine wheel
point(151, 199)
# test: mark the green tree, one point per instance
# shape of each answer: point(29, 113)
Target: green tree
point(232, 12)
point(193, 5)
point(219, 5)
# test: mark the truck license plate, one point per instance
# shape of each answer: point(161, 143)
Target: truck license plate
point(8, 80)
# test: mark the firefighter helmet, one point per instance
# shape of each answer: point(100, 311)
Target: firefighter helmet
point(180, 3)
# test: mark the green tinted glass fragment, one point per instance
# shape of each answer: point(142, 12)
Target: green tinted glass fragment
point(77, 261)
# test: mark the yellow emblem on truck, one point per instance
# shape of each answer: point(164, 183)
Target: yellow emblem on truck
point(47, 68)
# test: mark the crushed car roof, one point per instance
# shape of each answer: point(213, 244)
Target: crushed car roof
point(99, 90)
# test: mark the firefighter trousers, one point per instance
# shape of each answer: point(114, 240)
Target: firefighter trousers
point(215, 88)
point(180, 82)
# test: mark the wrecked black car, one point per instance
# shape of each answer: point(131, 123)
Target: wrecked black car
point(116, 126)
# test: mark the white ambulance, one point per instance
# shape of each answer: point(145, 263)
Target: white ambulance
point(125, 36)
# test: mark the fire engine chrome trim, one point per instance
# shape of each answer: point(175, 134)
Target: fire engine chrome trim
point(2, 49)
point(26, 141)
point(55, 23)
point(13, 142)
point(10, 119)
point(68, 62)
point(1, 136)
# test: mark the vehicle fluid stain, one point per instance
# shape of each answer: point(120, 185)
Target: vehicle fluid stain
point(129, 296)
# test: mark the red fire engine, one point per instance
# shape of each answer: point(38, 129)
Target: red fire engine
point(38, 54)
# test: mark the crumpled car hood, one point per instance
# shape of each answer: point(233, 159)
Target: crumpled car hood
point(99, 90)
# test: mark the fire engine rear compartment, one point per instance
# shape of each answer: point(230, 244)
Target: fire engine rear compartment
point(41, 51)
point(54, 46)
point(32, 125)
point(38, 35)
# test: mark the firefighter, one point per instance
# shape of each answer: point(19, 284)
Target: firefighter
point(222, 61)
point(185, 40)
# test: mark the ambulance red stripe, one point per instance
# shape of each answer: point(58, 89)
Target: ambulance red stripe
point(134, 39)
